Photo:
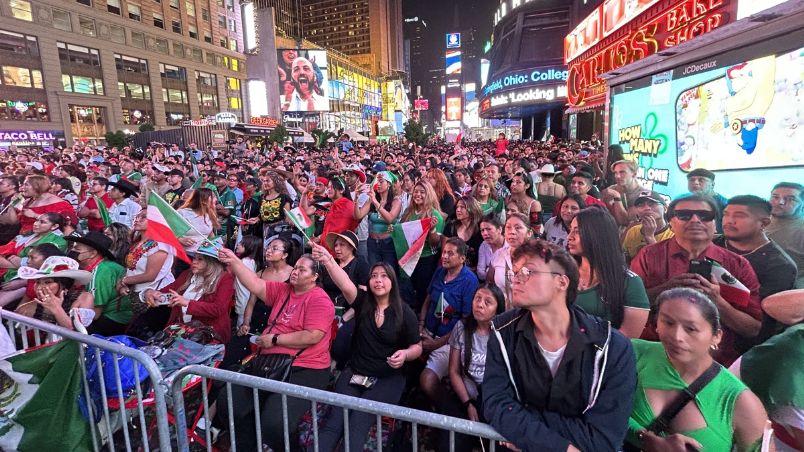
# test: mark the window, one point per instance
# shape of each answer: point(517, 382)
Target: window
point(206, 79)
point(178, 49)
point(117, 34)
point(159, 20)
point(193, 31)
point(175, 96)
point(74, 54)
point(134, 116)
point(176, 25)
point(205, 14)
point(224, 42)
point(134, 90)
point(138, 39)
point(18, 43)
point(208, 37)
point(174, 4)
point(234, 102)
point(232, 83)
point(113, 6)
point(172, 72)
point(81, 84)
point(175, 118)
point(22, 77)
point(208, 100)
point(22, 110)
point(85, 2)
point(198, 55)
point(235, 64)
point(61, 20)
point(189, 6)
point(134, 12)
point(21, 9)
point(211, 58)
point(230, 5)
point(233, 44)
point(161, 45)
point(130, 64)
point(222, 21)
point(87, 26)
point(232, 25)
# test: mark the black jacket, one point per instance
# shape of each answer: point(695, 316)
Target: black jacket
point(586, 404)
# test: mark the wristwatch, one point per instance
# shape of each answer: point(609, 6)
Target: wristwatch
point(274, 339)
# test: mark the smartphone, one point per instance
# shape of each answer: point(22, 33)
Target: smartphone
point(163, 300)
point(701, 267)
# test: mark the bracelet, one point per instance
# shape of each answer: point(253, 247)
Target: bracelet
point(469, 402)
point(275, 340)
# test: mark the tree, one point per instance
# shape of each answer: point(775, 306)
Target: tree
point(415, 133)
point(116, 139)
point(321, 136)
point(278, 135)
point(146, 127)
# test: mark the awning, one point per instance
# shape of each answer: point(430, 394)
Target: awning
point(354, 135)
point(586, 107)
point(254, 130)
point(306, 138)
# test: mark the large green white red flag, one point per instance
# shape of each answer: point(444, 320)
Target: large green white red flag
point(39, 392)
point(731, 289)
point(409, 239)
point(301, 220)
point(165, 225)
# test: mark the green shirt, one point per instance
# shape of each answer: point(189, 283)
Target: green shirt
point(428, 249)
point(635, 297)
point(228, 201)
point(103, 287)
point(50, 237)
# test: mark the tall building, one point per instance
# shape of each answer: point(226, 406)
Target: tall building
point(74, 70)
point(287, 16)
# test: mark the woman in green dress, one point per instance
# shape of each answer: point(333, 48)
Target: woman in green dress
point(47, 228)
point(722, 415)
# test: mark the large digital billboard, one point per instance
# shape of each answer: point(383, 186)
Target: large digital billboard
point(453, 59)
point(741, 118)
point(303, 80)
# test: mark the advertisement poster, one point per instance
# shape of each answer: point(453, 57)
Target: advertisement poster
point(303, 81)
point(743, 120)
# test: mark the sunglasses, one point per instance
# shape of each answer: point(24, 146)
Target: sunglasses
point(703, 215)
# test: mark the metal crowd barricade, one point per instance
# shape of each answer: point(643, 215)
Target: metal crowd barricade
point(315, 396)
point(121, 410)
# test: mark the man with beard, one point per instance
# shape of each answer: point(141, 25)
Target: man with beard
point(307, 94)
point(787, 223)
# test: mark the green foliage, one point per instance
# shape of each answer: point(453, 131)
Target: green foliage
point(278, 135)
point(415, 133)
point(146, 127)
point(116, 139)
point(321, 136)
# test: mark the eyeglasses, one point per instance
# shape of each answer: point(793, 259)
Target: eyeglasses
point(275, 249)
point(524, 274)
point(703, 215)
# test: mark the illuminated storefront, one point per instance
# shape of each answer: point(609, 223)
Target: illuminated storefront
point(355, 97)
point(730, 105)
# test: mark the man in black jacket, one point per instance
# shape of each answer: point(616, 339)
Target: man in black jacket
point(556, 378)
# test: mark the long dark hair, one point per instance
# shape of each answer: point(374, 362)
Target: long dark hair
point(470, 323)
point(394, 298)
point(599, 237)
point(252, 247)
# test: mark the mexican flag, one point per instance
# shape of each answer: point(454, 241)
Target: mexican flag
point(301, 220)
point(165, 225)
point(409, 239)
point(104, 212)
point(39, 395)
point(441, 306)
point(731, 289)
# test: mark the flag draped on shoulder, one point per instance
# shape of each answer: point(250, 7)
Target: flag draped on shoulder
point(409, 239)
point(39, 393)
point(165, 225)
point(103, 211)
point(731, 289)
point(301, 220)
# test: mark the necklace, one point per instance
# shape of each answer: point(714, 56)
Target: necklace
point(735, 250)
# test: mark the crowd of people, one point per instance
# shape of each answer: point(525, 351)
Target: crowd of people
point(555, 298)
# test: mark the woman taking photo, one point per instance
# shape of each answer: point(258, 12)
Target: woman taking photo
point(492, 232)
point(300, 325)
point(517, 232)
point(204, 292)
point(444, 195)
point(607, 288)
point(525, 199)
point(199, 211)
point(340, 217)
point(556, 229)
point(467, 363)
point(148, 266)
point(386, 337)
point(383, 211)
point(724, 414)
point(47, 228)
point(38, 200)
point(486, 195)
point(424, 204)
point(273, 203)
point(466, 225)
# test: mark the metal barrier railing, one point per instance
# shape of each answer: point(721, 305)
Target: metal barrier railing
point(315, 396)
point(119, 401)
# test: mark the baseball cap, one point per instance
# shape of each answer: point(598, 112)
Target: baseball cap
point(650, 195)
point(701, 172)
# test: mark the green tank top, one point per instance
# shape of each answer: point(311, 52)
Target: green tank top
point(716, 400)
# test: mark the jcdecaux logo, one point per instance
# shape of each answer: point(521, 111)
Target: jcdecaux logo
point(526, 78)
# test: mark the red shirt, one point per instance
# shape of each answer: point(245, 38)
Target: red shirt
point(212, 309)
point(340, 218)
point(657, 263)
point(592, 201)
point(96, 224)
point(312, 310)
point(502, 146)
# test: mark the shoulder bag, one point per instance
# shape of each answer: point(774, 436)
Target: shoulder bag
point(273, 366)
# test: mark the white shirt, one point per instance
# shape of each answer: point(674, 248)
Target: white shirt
point(124, 212)
point(165, 275)
point(242, 294)
point(202, 227)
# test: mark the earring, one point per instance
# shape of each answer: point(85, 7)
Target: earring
point(714, 347)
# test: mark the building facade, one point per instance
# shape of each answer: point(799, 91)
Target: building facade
point(78, 69)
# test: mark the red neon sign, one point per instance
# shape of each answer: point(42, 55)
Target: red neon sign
point(682, 22)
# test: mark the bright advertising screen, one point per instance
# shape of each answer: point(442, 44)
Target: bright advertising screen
point(453, 59)
point(744, 121)
point(303, 80)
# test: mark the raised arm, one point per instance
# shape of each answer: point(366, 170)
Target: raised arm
point(245, 275)
point(339, 277)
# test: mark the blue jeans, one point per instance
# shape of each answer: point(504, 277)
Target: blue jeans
point(382, 250)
